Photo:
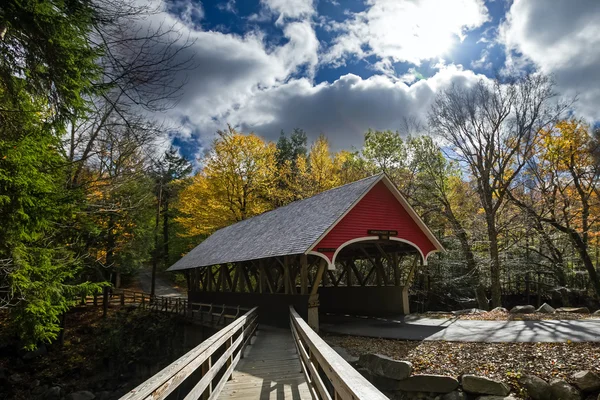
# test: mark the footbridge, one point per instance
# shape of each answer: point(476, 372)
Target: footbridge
point(245, 360)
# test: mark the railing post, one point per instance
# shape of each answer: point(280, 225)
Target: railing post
point(143, 300)
point(95, 299)
point(104, 301)
point(123, 298)
point(82, 299)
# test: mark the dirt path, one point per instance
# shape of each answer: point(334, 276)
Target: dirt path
point(162, 286)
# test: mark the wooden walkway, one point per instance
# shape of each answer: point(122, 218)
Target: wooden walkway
point(270, 369)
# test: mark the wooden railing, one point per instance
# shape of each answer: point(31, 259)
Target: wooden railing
point(327, 374)
point(216, 357)
point(213, 314)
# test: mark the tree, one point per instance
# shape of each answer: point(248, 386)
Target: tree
point(319, 173)
point(236, 183)
point(384, 150)
point(491, 128)
point(439, 184)
point(563, 181)
point(289, 151)
point(167, 173)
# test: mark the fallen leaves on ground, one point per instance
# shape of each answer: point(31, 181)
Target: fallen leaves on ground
point(505, 316)
point(503, 361)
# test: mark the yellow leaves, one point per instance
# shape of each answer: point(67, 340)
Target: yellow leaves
point(236, 183)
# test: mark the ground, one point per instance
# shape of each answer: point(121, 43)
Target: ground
point(504, 361)
point(98, 355)
point(505, 316)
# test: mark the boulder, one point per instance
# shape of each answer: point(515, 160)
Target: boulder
point(349, 358)
point(455, 395)
point(81, 395)
point(561, 390)
point(387, 367)
point(545, 309)
point(573, 310)
point(52, 393)
point(586, 381)
point(16, 378)
point(496, 398)
point(537, 388)
point(482, 385)
point(104, 395)
point(40, 351)
point(428, 383)
point(597, 312)
point(499, 309)
point(522, 309)
point(468, 311)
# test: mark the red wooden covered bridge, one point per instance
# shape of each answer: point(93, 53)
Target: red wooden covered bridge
point(352, 249)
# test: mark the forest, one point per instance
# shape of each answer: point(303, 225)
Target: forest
point(91, 191)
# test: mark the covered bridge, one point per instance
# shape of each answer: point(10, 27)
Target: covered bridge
point(352, 249)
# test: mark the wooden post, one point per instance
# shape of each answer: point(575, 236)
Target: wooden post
point(303, 274)
point(95, 299)
point(209, 278)
point(348, 274)
point(313, 301)
point(286, 275)
point(104, 301)
point(123, 298)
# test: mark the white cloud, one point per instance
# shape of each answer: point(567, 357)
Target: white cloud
point(344, 109)
point(404, 30)
point(190, 12)
point(563, 40)
point(294, 9)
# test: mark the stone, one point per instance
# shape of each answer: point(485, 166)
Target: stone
point(586, 381)
point(573, 310)
point(482, 385)
point(349, 358)
point(387, 367)
point(104, 395)
point(537, 388)
point(455, 395)
point(16, 378)
point(468, 311)
point(545, 309)
point(522, 309)
point(597, 312)
point(40, 351)
point(81, 395)
point(53, 393)
point(561, 390)
point(428, 383)
point(499, 309)
point(496, 398)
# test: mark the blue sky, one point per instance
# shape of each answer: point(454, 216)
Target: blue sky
point(340, 67)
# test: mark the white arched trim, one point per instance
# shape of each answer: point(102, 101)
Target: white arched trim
point(365, 238)
point(330, 265)
point(428, 254)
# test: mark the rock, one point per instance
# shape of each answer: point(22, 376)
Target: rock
point(483, 385)
point(586, 381)
point(499, 309)
point(468, 311)
point(387, 367)
point(561, 390)
point(574, 310)
point(428, 383)
point(385, 384)
point(349, 358)
point(597, 312)
point(16, 378)
point(496, 398)
point(40, 351)
point(455, 395)
point(104, 395)
point(537, 388)
point(81, 395)
point(522, 309)
point(53, 393)
point(545, 309)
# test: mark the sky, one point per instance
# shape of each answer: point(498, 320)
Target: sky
point(339, 67)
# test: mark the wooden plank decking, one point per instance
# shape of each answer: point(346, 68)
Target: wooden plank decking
point(270, 369)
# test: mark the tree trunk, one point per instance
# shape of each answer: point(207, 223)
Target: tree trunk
point(155, 255)
point(494, 262)
point(582, 249)
point(110, 243)
point(166, 231)
point(482, 301)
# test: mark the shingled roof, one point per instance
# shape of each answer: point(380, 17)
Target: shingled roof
point(292, 229)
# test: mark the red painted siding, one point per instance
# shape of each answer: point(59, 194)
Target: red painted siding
point(378, 209)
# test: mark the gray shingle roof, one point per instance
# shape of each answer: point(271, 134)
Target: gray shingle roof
point(287, 230)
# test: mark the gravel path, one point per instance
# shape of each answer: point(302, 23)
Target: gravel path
point(408, 328)
point(162, 286)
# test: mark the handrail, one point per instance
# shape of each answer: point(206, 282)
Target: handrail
point(327, 374)
point(231, 339)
